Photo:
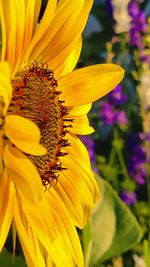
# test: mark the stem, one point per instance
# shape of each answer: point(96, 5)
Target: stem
point(112, 156)
point(121, 158)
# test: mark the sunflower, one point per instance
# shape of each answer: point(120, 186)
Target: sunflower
point(47, 187)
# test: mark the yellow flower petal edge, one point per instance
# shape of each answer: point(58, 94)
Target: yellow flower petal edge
point(43, 27)
point(5, 88)
point(79, 110)
point(66, 28)
point(64, 226)
point(44, 231)
point(6, 206)
point(80, 126)
point(68, 190)
point(24, 235)
point(23, 174)
point(24, 134)
point(88, 84)
point(69, 64)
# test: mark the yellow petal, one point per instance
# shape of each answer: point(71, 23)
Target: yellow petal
point(3, 31)
point(80, 125)
point(23, 174)
point(79, 154)
point(13, 13)
point(24, 134)
point(43, 28)
point(25, 238)
point(88, 84)
point(1, 151)
point(37, 8)
point(6, 207)
point(71, 200)
point(40, 219)
point(69, 63)
point(59, 60)
point(66, 28)
point(21, 16)
point(65, 230)
point(32, 9)
point(73, 182)
point(49, 262)
point(79, 110)
point(5, 87)
point(5, 77)
point(76, 185)
point(40, 255)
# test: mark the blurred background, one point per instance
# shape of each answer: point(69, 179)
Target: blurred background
point(119, 32)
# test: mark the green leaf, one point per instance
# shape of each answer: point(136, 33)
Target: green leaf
point(114, 229)
point(87, 242)
point(103, 226)
point(6, 260)
point(146, 252)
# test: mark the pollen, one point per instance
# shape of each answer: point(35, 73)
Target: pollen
point(36, 97)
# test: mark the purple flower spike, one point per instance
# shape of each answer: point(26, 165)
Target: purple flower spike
point(138, 24)
point(138, 160)
point(121, 118)
point(116, 97)
point(139, 179)
point(129, 197)
point(148, 137)
point(107, 114)
point(133, 9)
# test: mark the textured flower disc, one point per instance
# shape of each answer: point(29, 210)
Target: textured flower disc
point(36, 97)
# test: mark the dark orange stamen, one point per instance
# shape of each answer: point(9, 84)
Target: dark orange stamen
point(36, 97)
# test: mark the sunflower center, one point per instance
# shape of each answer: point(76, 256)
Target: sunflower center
point(36, 97)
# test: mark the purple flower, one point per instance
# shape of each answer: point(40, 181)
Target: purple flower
point(121, 118)
point(129, 197)
point(138, 171)
point(144, 57)
point(147, 137)
point(133, 8)
point(107, 113)
point(138, 24)
point(142, 22)
point(139, 179)
point(135, 39)
point(136, 166)
point(116, 97)
point(139, 153)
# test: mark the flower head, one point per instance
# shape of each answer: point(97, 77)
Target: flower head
point(46, 176)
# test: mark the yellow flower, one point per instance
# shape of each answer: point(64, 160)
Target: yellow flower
point(47, 186)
